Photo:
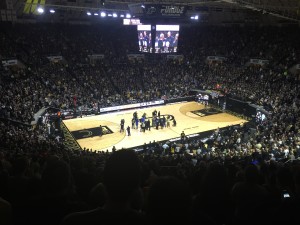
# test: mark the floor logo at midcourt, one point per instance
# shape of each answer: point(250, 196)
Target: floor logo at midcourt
point(90, 132)
point(207, 112)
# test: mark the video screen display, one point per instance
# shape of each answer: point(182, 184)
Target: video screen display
point(166, 40)
point(144, 38)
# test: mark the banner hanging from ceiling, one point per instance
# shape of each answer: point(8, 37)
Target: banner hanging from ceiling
point(158, 10)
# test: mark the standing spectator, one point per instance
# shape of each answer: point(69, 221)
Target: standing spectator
point(122, 175)
point(5, 212)
point(169, 202)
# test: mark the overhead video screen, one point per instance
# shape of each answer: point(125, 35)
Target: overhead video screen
point(144, 38)
point(166, 40)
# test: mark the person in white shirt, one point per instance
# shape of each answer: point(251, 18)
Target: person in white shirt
point(199, 151)
point(286, 152)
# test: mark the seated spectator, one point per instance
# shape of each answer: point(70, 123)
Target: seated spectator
point(250, 198)
point(169, 202)
point(97, 196)
point(287, 210)
point(122, 175)
point(213, 198)
point(56, 199)
point(5, 212)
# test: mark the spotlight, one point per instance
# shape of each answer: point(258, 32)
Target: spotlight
point(115, 15)
point(128, 16)
point(196, 17)
point(40, 10)
point(109, 14)
point(103, 14)
point(102, 2)
point(122, 15)
point(143, 6)
point(96, 14)
point(52, 11)
point(88, 13)
point(192, 17)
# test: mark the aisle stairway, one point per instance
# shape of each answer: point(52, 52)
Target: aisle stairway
point(69, 141)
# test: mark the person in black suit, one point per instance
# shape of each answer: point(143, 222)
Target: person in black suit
point(170, 42)
point(128, 131)
point(161, 42)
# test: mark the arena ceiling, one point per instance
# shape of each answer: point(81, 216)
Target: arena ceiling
point(232, 10)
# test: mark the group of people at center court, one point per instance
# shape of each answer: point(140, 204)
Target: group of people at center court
point(157, 120)
point(145, 123)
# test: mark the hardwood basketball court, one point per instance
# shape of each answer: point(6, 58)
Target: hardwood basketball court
point(187, 115)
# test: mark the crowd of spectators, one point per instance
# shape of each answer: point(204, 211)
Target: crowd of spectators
point(236, 176)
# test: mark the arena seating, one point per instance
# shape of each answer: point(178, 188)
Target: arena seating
point(240, 177)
